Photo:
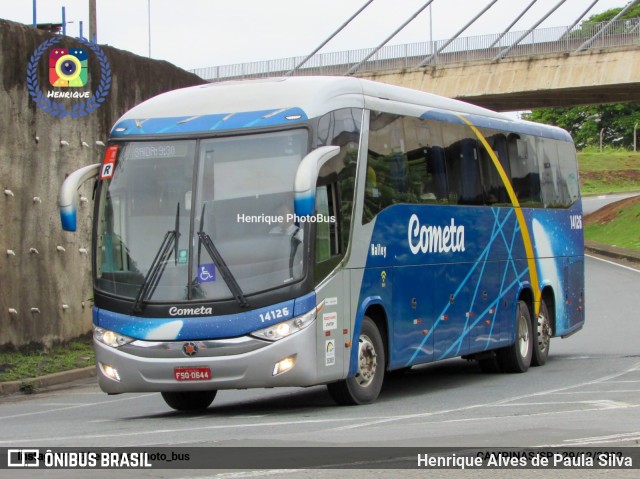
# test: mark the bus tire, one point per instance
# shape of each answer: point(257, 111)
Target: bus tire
point(189, 400)
point(365, 386)
point(541, 337)
point(517, 357)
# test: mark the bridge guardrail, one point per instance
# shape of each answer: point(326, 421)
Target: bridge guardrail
point(461, 50)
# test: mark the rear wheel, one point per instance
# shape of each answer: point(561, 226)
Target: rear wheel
point(365, 386)
point(541, 337)
point(190, 400)
point(517, 357)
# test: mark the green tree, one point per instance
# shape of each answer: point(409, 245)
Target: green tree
point(617, 120)
point(585, 122)
point(633, 12)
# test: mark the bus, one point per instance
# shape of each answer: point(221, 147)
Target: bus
point(325, 231)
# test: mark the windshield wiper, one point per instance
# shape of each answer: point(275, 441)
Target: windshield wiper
point(227, 275)
point(158, 265)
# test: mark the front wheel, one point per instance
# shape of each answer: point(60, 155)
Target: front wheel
point(541, 337)
point(365, 386)
point(190, 400)
point(517, 357)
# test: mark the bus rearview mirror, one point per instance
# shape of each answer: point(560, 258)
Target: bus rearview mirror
point(68, 201)
point(307, 176)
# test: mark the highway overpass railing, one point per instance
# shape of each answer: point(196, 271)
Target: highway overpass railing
point(462, 50)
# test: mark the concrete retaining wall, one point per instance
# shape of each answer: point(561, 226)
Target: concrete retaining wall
point(45, 286)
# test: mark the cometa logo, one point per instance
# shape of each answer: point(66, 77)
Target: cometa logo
point(435, 239)
point(200, 311)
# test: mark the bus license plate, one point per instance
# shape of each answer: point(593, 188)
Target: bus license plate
point(192, 374)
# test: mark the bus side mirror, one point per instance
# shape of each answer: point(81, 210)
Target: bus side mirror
point(306, 177)
point(68, 201)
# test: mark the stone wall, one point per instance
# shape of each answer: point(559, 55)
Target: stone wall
point(45, 281)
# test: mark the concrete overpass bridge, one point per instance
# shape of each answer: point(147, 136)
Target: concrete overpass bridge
point(559, 66)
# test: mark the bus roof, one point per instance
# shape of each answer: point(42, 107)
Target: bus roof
point(275, 101)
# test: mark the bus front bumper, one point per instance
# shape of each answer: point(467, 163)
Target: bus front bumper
point(144, 367)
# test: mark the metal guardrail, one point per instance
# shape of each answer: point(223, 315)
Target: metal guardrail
point(461, 50)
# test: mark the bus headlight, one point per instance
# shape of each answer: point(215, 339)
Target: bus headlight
point(286, 328)
point(110, 338)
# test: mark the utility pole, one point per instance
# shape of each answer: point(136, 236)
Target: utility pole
point(149, 21)
point(431, 49)
point(93, 28)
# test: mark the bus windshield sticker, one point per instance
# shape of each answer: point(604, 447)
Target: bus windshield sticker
point(174, 149)
point(330, 352)
point(329, 321)
point(109, 162)
point(207, 272)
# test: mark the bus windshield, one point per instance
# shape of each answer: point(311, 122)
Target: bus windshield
point(230, 198)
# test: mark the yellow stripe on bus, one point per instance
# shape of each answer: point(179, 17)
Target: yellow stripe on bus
point(526, 237)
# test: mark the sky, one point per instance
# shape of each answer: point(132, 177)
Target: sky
point(203, 33)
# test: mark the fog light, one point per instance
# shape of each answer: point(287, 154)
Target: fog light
point(110, 372)
point(284, 365)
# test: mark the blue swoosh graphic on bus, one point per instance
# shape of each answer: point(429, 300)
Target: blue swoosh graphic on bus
point(482, 259)
point(204, 327)
point(205, 123)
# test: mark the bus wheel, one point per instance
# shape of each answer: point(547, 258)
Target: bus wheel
point(541, 337)
point(517, 357)
point(365, 386)
point(189, 401)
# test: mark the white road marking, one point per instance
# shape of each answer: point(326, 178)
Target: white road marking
point(485, 405)
point(615, 438)
point(99, 403)
point(605, 403)
point(615, 264)
point(189, 429)
point(599, 392)
point(248, 474)
point(522, 416)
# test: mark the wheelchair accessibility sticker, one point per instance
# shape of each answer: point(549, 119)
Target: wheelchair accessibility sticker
point(207, 272)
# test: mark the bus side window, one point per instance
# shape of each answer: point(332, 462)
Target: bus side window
point(387, 166)
point(431, 161)
point(328, 251)
point(335, 188)
point(463, 172)
point(525, 176)
point(494, 189)
point(437, 174)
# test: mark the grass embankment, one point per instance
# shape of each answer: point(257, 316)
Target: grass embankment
point(617, 224)
point(23, 364)
point(608, 171)
point(612, 171)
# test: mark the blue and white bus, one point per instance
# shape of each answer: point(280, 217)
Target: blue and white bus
point(305, 231)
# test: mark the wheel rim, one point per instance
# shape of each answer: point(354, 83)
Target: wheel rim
point(367, 361)
point(544, 333)
point(523, 336)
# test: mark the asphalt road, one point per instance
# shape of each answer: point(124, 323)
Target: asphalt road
point(593, 203)
point(588, 394)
